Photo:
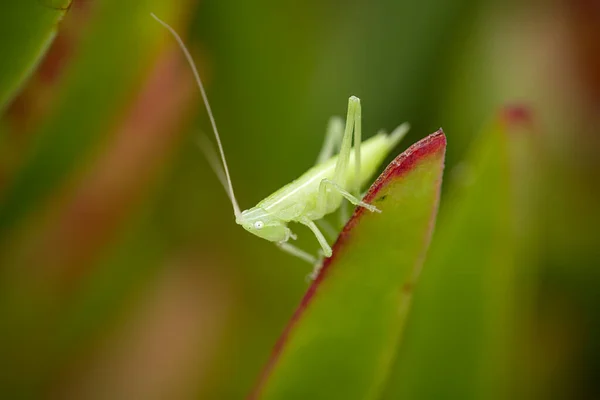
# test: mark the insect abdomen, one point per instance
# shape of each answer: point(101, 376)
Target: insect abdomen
point(300, 196)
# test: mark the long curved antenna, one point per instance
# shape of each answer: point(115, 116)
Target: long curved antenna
point(236, 207)
point(213, 160)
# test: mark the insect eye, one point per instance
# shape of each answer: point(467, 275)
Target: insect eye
point(258, 224)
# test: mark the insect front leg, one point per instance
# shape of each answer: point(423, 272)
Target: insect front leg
point(316, 262)
point(322, 241)
point(296, 252)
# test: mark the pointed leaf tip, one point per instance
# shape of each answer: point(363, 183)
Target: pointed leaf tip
point(434, 144)
point(340, 341)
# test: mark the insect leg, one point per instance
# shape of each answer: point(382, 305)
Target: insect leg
point(326, 227)
point(332, 145)
point(344, 212)
point(333, 139)
point(357, 143)
point(317, 266)
point(341, 165)
point(322, 241)
point(296, 252)
point(353, 124)
point(344, 157)
point(349, 196)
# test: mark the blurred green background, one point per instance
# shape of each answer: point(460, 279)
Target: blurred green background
point(122, 272)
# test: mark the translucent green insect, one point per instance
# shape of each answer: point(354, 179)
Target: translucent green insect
point(319, 191)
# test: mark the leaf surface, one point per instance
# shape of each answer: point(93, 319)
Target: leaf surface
point(460, 340)
point(340, 341)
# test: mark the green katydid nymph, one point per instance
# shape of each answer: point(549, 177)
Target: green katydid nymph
point(319, 191)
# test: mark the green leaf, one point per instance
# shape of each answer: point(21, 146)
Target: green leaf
point(460, 338)
point(31, 27)
point(94, 103)
point(339, 342)
point(114, 58)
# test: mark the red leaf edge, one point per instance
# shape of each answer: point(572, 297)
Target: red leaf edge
point(402, 164)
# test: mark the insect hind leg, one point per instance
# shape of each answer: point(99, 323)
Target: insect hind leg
point(352, 126)
point(343, 159)
point(327, 183)
point(333, 139)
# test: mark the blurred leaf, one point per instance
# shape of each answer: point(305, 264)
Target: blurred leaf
point(340, 341)
point(156, 114)
point(112, 61)
point(460, 338)
point(54, 277)
point(31, 27)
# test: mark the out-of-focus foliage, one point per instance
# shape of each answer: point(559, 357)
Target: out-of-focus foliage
point(455, 346)
point(28, 29)
point(122, 272)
